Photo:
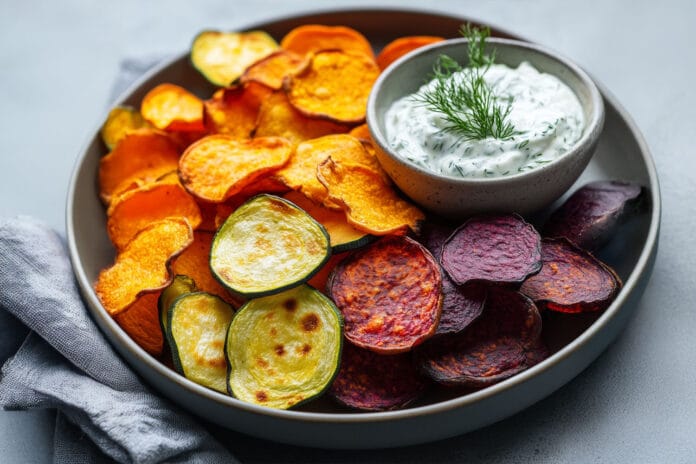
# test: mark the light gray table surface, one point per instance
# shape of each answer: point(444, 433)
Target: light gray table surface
point(635, 403)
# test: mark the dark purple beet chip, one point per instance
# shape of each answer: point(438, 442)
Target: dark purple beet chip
point(537, 353)
point(491, 349)
point(374, 382)
point(433, 236)
point(461, 305)
point(571, 279)
point(589, 216)
point(501, 249)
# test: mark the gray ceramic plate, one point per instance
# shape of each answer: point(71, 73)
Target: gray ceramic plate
point(575, 341)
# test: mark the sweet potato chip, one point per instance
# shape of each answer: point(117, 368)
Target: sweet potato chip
point(143, 265)
point(234, 110)
point(194, 262)
point(590, 215)
point(219, 166)
point(140, 157)
point(342, 235)
point(141, 322)
point(390, 294)
point(320, 279)
point(403, 45)
point(571, 280)
point(310, 38)
point(301, 172)
point(121, 121)
point(335, 86)
point(361, 132)
point(491, 349)
point(277, 117)
point(134, 210)
point(271, 70)
point(372, 382)
point(498, 249)
point(369, 203)
point(173, 108)
point(223, 56)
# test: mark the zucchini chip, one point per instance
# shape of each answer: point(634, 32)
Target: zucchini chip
point(181, 285)
point(197, 324)
point(266, 246)
point(284, 349)
point(221, 57)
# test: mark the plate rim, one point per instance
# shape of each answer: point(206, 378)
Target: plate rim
point(637, 278)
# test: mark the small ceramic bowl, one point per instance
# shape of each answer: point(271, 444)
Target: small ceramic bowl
point(457, 197)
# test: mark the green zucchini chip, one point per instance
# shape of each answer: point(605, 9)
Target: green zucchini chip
point(284, 349)
point(181, 285)
point(222, 57)
point(197, 326)
point(266, 246)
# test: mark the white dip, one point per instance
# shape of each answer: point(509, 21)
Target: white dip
point(545, 112)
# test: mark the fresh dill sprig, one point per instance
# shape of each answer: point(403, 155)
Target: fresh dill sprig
point(469, 106)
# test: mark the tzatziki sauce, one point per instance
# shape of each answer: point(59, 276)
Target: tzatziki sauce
point(546, 114)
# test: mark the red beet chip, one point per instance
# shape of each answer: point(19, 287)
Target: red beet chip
point(375, 382)
point(491, 349)
point(571, 280)
point(537, 353)
point(502, 249)
point(461, 305)
point(589, 216)
point(390, 294)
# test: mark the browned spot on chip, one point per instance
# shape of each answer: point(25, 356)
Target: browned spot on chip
point(279, 350)
point(290, 304)
point(261, 396)
point(310, 322)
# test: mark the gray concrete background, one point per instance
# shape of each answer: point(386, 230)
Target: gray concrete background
point(636, 403)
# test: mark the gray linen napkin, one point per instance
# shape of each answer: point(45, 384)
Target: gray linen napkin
point(66, 364)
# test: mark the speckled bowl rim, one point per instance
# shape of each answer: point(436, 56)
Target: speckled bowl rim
point(637, 279)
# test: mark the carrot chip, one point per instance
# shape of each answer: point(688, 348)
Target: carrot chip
point(271, 70)
point(403, 45)
point(234, 110)
point(141, 322)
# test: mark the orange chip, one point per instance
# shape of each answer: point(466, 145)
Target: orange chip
point(277, 117)
point(234, 110)
point(219, 166)
point(140, 157)
point(173, 108)
point(141, 322)
point(143, 265)
point(271, 70)
point(121, 121)
point(301, 172)
point(134, 210)
point(401, 46)
point(319, 279)
point(208, 214)
point(194, 263)
point(369, 203)
point(334, 86)
point(361, 132)
point(310, 38)
point(341, 233)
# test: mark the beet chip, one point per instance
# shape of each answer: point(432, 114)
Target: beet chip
point(571, 280)
point(589, 216)
point(461, 305)
point(376, 382)
point(493, 348)
point(389, 293)
point(500, 249)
